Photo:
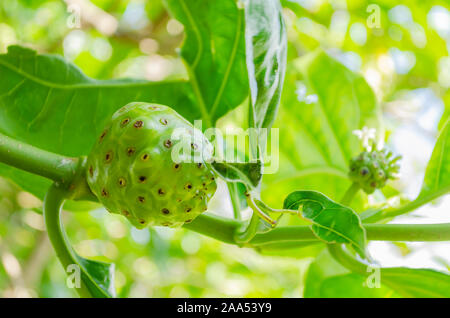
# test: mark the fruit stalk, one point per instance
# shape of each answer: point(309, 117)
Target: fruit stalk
point(53, 202)
point(350, 194)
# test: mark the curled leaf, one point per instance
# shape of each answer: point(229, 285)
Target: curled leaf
point(332, 222)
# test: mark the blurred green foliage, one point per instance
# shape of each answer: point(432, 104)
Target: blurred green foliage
point(407, 51)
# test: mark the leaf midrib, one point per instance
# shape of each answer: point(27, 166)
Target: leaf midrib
point(208, 116)
point(230, 64)
point(91, 82)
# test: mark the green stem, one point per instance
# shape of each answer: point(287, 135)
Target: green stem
point(224, 229)
point(268, 209)
point(234, 196)
point(408, 232)
point(347, 260)
point(214, 226)
point(336, 250)
point(350, 194)
point(249, 232)
point(255, 208)
point(279, 246)
point(244, 236)
point(37, 161)
point(53, 202)
point(408, 207)
point(264, 207)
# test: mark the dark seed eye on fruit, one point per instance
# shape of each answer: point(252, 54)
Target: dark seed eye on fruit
point(122, 182)
point(102, 136)
point(108, 156)
point(125, 121)
point(168, 143)
point(131, 151)
point(165, 211)
point(138, 124)
point(142, 179)
point(134, 172)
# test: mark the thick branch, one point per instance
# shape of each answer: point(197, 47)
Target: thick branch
point(37, 161)
point(223, 229)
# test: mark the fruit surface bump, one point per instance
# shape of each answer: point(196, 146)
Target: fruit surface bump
point(132, 169)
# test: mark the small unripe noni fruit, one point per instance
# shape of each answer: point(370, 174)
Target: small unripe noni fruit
point(372, 169)
point(135, 168)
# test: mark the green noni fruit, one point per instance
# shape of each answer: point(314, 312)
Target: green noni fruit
point(372, 169)
point(149, 164)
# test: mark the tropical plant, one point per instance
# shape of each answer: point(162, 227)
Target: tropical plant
point(59, 143)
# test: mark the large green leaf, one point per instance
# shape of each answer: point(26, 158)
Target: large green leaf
point(350, 286)
point(214, 53)
point(411, 282)
point(266, 46)
point(325, 103)
point(437, 175)
point(406, 282)
point(332, 222)
point(327, 278)
point(345, 102)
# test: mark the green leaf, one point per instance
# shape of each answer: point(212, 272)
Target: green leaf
point(327, 278)
point(266, 47)
point(437, 175)
point(351, 286)
point(97, 276)
point(214, 53)
point(247, 173)
point(345, 102)
point(332, 222)
point(323, 267)
point(411, 282)
point(318, 139)
point(49, 103)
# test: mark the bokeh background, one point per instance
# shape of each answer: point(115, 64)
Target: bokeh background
point(405, 60)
